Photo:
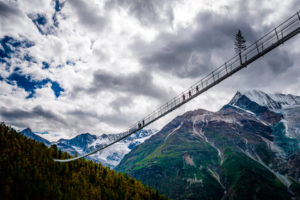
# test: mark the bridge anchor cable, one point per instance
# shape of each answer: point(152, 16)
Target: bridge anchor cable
point(268, 42)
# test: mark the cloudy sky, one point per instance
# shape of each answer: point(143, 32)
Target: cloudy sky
point(74, 66)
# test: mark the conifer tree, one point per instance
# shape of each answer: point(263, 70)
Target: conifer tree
point(27, 171)
point(239, 44)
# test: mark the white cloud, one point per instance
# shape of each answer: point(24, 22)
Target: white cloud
point(93, 37)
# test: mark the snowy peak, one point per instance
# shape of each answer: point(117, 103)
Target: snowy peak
point(263, 99)
point(286, 99)
point(86, 142)
point(28, 133)
point(81, 141)
point(271, 101)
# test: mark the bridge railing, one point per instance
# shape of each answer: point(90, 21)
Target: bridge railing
point(232, 64)
point(271, 40)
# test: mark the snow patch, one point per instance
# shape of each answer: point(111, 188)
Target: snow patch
point(286, 127)
point(286, 99)
point(78, 150)
point(276, 149)
point(226, 119)
point(247, 111)
point(201, 134)
point(216, 176)
point(272, 101)
point(262, 98)
point(173, 131)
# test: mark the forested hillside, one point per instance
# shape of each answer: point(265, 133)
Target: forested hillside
point(27, 171)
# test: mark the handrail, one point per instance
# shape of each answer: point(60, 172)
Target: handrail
point(262, 46)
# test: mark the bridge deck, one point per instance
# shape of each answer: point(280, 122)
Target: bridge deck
point(259, 48)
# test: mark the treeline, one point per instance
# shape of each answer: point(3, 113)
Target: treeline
point(27, 171)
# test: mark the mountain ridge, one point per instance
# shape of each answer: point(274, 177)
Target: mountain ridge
point(86, 142)
point(28, 133)
point(198, 151)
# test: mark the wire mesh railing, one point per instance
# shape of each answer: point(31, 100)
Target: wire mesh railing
point(254, 49)
point(263, 45)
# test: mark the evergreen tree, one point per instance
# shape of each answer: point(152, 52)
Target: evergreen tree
point(27, 171)
point(239, 44)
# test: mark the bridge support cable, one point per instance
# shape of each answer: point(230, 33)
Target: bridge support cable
point(259, 48)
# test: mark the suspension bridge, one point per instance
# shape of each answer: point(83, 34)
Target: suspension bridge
point(277, 36)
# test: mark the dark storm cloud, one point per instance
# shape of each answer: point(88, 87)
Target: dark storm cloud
point(83, 114)
point(140, 83)
point(123, 101)
point(148, 12)
point(189, 52)
point(194, 52)
point(88, 15)
point(117, 118)
point(279, 61)
point(36, 113)
point(267, 72)
point(7, 11)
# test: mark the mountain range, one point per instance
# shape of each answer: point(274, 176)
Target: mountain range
point(86, 142)
point(249, 149)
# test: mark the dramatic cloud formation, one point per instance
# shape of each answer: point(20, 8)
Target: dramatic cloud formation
point(68, 67)
point(140, 83)
point(153, 12)
point(88, 14)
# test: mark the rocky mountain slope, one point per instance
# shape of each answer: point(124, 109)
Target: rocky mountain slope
point(87, 142)
point(249, 149)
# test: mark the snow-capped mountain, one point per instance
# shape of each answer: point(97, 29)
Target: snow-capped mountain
point(271, 101)
point(28, 133)
point(268, 106)
point(112, 155)
point(86, 142)
point(241, 151)
point(80, 141)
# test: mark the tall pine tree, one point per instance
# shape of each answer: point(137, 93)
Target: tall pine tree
point(239, 44)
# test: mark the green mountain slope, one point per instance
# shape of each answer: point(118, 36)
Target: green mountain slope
point(205, 155)
point(27, 171)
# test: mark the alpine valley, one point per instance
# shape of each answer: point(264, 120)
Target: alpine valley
point(249, 149)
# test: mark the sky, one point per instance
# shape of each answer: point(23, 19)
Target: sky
point(75, 66)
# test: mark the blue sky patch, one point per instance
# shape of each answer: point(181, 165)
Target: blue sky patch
point(56, 88)
point(30, 85)
point(29, 58)
point(55, 20)
point(41, 23)
point(69, 62)
point(58, 5)
point(45, 65)
point(11, 46)
point(40, 19)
